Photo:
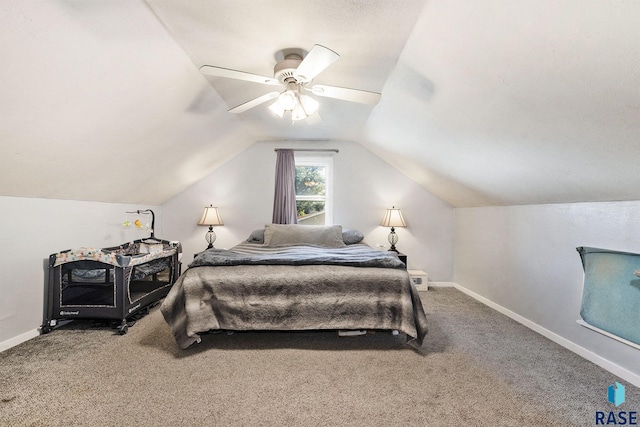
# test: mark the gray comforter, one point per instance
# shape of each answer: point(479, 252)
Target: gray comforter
point(252, 287)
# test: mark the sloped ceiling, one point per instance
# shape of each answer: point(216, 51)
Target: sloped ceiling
point(483, 102)
point(517, 102)
point(99, 103)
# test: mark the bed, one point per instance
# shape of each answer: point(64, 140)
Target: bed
point(294, 277)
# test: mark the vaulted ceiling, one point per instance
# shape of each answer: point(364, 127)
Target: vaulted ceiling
point(483, 102)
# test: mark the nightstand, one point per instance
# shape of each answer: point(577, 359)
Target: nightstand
point(420, 279)
point(402, 257)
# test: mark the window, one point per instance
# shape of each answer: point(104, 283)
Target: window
point(313, 189)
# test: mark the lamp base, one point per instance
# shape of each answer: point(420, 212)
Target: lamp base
point(210, 237)
point(393, 239)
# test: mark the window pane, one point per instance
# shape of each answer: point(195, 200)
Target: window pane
point(310, 181)
point(310, 212)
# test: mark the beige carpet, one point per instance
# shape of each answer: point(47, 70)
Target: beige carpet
point(479, 369)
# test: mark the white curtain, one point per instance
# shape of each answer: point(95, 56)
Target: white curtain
point(284, 200)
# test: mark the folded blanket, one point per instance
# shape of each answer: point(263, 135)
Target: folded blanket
point(358, 255)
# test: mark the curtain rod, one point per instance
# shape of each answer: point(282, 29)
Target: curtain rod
point(309, 149)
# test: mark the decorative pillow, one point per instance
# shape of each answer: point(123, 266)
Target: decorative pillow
point(351, 237)
point(291, 234)
point(257, 236)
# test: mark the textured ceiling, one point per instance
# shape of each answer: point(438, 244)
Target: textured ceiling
point(483, 102)
point(251, 36)
point(517, 102)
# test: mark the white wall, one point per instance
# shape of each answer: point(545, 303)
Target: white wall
point(364, 185)
point(524, 259)
point(31, 230)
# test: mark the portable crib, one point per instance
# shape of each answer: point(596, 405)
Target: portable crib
point(110, 283)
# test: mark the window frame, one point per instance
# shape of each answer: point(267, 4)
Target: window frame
point(325, 161)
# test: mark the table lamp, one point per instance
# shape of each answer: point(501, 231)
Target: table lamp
point(393, 218)
point(210, 217)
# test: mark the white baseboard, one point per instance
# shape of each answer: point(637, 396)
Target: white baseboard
point(12, 342)
point(608, 334)
point(441, 284)
point(569, 345)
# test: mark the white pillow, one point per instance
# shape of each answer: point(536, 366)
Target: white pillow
point(292, 234)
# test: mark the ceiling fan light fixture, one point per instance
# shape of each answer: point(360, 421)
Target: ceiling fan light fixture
point(298, 113)
point(309, 104)
point(287, 100)
point(277, 108)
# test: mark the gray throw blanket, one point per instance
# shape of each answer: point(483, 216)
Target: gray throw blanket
point(303, 296)
point(245, 253)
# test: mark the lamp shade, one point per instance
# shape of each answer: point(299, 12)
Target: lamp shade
point(277, 109)
point(309, 104)
point(393, 218)
point(287, 100)
point(211, 216)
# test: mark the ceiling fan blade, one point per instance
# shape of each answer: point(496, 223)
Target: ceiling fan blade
point(254, 102)
point(353, 95)
point(211, 70)
point(316, 61)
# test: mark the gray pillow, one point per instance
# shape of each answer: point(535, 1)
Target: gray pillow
point(351, 237)
point(292, 234)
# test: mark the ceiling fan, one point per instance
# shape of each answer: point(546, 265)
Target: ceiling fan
point(295, 74)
